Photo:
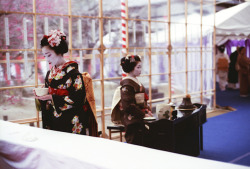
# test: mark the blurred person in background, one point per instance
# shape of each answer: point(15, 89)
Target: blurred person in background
point(232, 72)
point(243, 63)
point(222, 64)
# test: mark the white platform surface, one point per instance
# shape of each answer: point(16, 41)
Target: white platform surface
point(28, 147)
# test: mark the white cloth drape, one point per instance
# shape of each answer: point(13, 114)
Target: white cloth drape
point(27, 147)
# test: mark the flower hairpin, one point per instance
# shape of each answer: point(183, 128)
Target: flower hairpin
point(131, 58)
point(54, 37)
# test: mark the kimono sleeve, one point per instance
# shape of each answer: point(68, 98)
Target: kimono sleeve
point(46, 112)
point(76, 95)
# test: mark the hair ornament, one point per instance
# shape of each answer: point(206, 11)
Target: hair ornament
point(124, 75)
point(54, 37)
point(132, 59)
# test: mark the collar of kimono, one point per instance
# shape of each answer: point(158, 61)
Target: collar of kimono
point(134, 79)
point(55, 70)
point(65, 65)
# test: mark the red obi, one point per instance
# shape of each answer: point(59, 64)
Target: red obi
point(59, 92)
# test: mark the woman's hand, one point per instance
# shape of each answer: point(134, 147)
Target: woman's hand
point(45, 97)
point(148, 114)
point(34, 92)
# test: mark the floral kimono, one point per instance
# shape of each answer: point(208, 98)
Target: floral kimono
point(68, 111)
point(134, 106)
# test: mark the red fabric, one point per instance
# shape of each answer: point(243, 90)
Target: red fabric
point(124, 75)
point(59, 92)
point(146, 96)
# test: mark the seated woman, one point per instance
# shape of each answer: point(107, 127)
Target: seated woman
point(65, 108)
point(133, 100)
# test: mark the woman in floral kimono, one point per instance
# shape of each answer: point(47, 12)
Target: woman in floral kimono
point(133, 100)
point(65, 108)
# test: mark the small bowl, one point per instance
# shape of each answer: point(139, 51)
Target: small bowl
point(41, 91)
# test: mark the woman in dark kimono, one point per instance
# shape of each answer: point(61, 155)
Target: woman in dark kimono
point(133, 101)
point(232, 72)
point(65, 108)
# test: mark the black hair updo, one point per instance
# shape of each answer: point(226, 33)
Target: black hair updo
point(221, 48)
point(129, 62)
point(60, 49)
point(240, 49)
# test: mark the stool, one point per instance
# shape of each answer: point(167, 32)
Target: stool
point(116, 129)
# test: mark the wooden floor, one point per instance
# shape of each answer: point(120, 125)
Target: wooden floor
point(220, 110)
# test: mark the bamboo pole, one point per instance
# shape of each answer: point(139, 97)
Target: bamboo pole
point(35, 55)
point(160, 74)
point(70, 29)
point(78, 16)
point(169, 50)
point(25, 121)
point(16, 50)
point(132, 47)
point(149, 53)
point(201, 53)
point(186, 46)
point(214, 46)
point(101, 67)
point(16, 87)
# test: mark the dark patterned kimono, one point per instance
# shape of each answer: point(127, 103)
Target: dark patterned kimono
point(68, 111)
point(133, 113)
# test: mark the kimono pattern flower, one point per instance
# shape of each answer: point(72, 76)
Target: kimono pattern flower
point(77, 126)
point(66, 112)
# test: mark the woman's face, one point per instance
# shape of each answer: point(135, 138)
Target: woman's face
point(50, 55)
point(137, 70)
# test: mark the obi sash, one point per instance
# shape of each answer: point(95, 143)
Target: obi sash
point(59, 92)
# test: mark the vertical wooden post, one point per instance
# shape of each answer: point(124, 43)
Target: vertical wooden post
point(201, 53)
point(35, 54)
point(149, 53)
point(186, 46)
point(169, 51)
point(101, 67)
point(214, 47)
point(70, 29)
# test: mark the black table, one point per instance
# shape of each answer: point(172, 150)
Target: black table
point(183, 134)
